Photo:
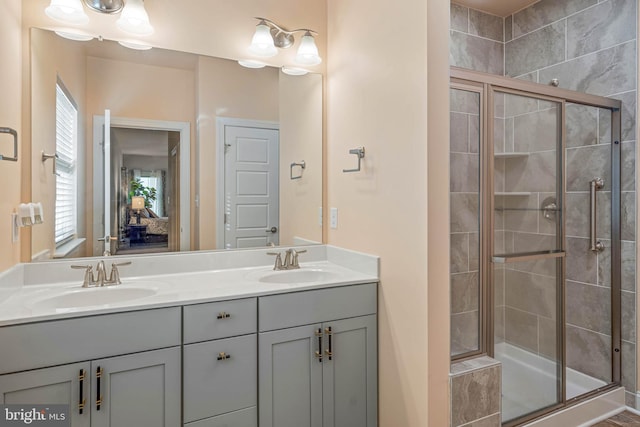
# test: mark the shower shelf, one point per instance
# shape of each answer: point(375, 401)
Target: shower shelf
point(513, 193)
point(526, 256)
point(510, 155)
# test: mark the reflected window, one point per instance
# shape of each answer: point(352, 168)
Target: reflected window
point(66, 182)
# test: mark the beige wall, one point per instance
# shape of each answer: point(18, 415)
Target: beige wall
point(300, 139)
point(10, 116)
point(385, 94)
point(52, 59)
point(242, 93)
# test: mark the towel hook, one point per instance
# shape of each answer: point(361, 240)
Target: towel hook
point(358, 152)
point(15, 144)
point(302, 165)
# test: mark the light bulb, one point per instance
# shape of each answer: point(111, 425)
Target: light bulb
point(67, 11)
point(308, 51)
point(134, 19)
point(262, 41)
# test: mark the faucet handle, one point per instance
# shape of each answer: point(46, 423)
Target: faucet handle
point(88, 274)
point(114, 276)
point(294, 260)
point(278, 264)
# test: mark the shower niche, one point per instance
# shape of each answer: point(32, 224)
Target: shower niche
point(535, 238)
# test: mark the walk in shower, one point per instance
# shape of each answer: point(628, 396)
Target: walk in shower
point(536, 238)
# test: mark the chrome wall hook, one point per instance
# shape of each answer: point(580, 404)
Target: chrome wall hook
point(358, 152)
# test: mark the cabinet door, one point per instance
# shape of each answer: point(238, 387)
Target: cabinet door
point(350, 379)
point(290, 378)
point(141, 390)
point(61, 385)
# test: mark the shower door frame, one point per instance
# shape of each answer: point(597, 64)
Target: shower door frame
point(491, 84)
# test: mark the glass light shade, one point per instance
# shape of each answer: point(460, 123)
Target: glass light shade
point(67, 11)
point(135, 45)
point(137, 203)
point(262, 42)
point(73, 35)
point(293, 71)
point(134, 19)
point(250, 63)
point(308, 51)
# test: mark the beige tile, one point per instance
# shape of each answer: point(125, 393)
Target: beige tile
point(475, 395)
point(459, 252)
point(465, 289)
point(521, 329)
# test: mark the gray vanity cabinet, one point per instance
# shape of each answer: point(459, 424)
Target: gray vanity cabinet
point(321, 374)
point(60, 385)
point(220, 372)
point(141, 390)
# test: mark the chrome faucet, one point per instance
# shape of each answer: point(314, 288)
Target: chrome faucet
point(290, 259)
point(91, 280)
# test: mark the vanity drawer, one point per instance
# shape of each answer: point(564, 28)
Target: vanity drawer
point(37, 345)
point(216, 383)
point(303, 308)
point(203, 322)
point(243, 418)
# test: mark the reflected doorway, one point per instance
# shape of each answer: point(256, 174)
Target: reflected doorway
point(146, 178)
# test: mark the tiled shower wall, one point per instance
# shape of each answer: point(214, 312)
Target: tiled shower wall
point(589, 46)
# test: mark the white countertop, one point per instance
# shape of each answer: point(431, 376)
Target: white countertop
point(28, 302)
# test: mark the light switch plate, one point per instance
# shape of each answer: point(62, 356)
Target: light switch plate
point(320, 216)
point(15, 228)
point(333, 217)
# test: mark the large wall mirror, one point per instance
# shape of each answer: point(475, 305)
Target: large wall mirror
point(164, 151)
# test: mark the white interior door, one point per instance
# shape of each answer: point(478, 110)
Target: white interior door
point(251, 187)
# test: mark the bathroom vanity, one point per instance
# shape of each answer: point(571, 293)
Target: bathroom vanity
point(234, 347)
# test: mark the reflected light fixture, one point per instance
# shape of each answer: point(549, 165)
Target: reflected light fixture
point(269, 36)
point(134, 45)
point(293, 71)
point(133, 19)
point(250, 63)
point(74, 35)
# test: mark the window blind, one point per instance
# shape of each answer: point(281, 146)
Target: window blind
point(66, 141)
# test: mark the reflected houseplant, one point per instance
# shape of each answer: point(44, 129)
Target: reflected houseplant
point(137, 188)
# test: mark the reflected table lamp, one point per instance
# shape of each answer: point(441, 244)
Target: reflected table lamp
point(137, 204)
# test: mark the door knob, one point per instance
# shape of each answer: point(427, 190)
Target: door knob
point(272, 230)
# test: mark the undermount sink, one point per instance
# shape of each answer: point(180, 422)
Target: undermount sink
point(97, 296)
point(298, 276)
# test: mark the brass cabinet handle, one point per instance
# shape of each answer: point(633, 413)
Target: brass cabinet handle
point(318, 354)
point(223, 315)
point(81, 399)
point(329, 351)
point(223, 356)
point(99, 373)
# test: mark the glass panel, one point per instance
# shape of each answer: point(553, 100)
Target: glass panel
point(465, 220)
point(526, 174)
point(527, 223)
point(588, 274)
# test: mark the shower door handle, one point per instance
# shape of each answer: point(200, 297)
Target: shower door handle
point(595, 185)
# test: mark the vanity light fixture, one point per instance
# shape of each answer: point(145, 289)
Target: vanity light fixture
point(269, 36)
point(133, 19)
point(68, 11)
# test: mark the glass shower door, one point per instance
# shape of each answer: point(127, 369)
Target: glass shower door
point(528, 251)
point(588, 296)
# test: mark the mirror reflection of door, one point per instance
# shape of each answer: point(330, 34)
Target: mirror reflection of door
point(251, 187)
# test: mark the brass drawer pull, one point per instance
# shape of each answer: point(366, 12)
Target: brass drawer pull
point(81, 399)
point(99, 373)
point(329, 351)
point(223, 315)
point(223, 356)
point(318, 353)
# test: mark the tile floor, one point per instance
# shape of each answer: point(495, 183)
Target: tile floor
point(625, 419)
